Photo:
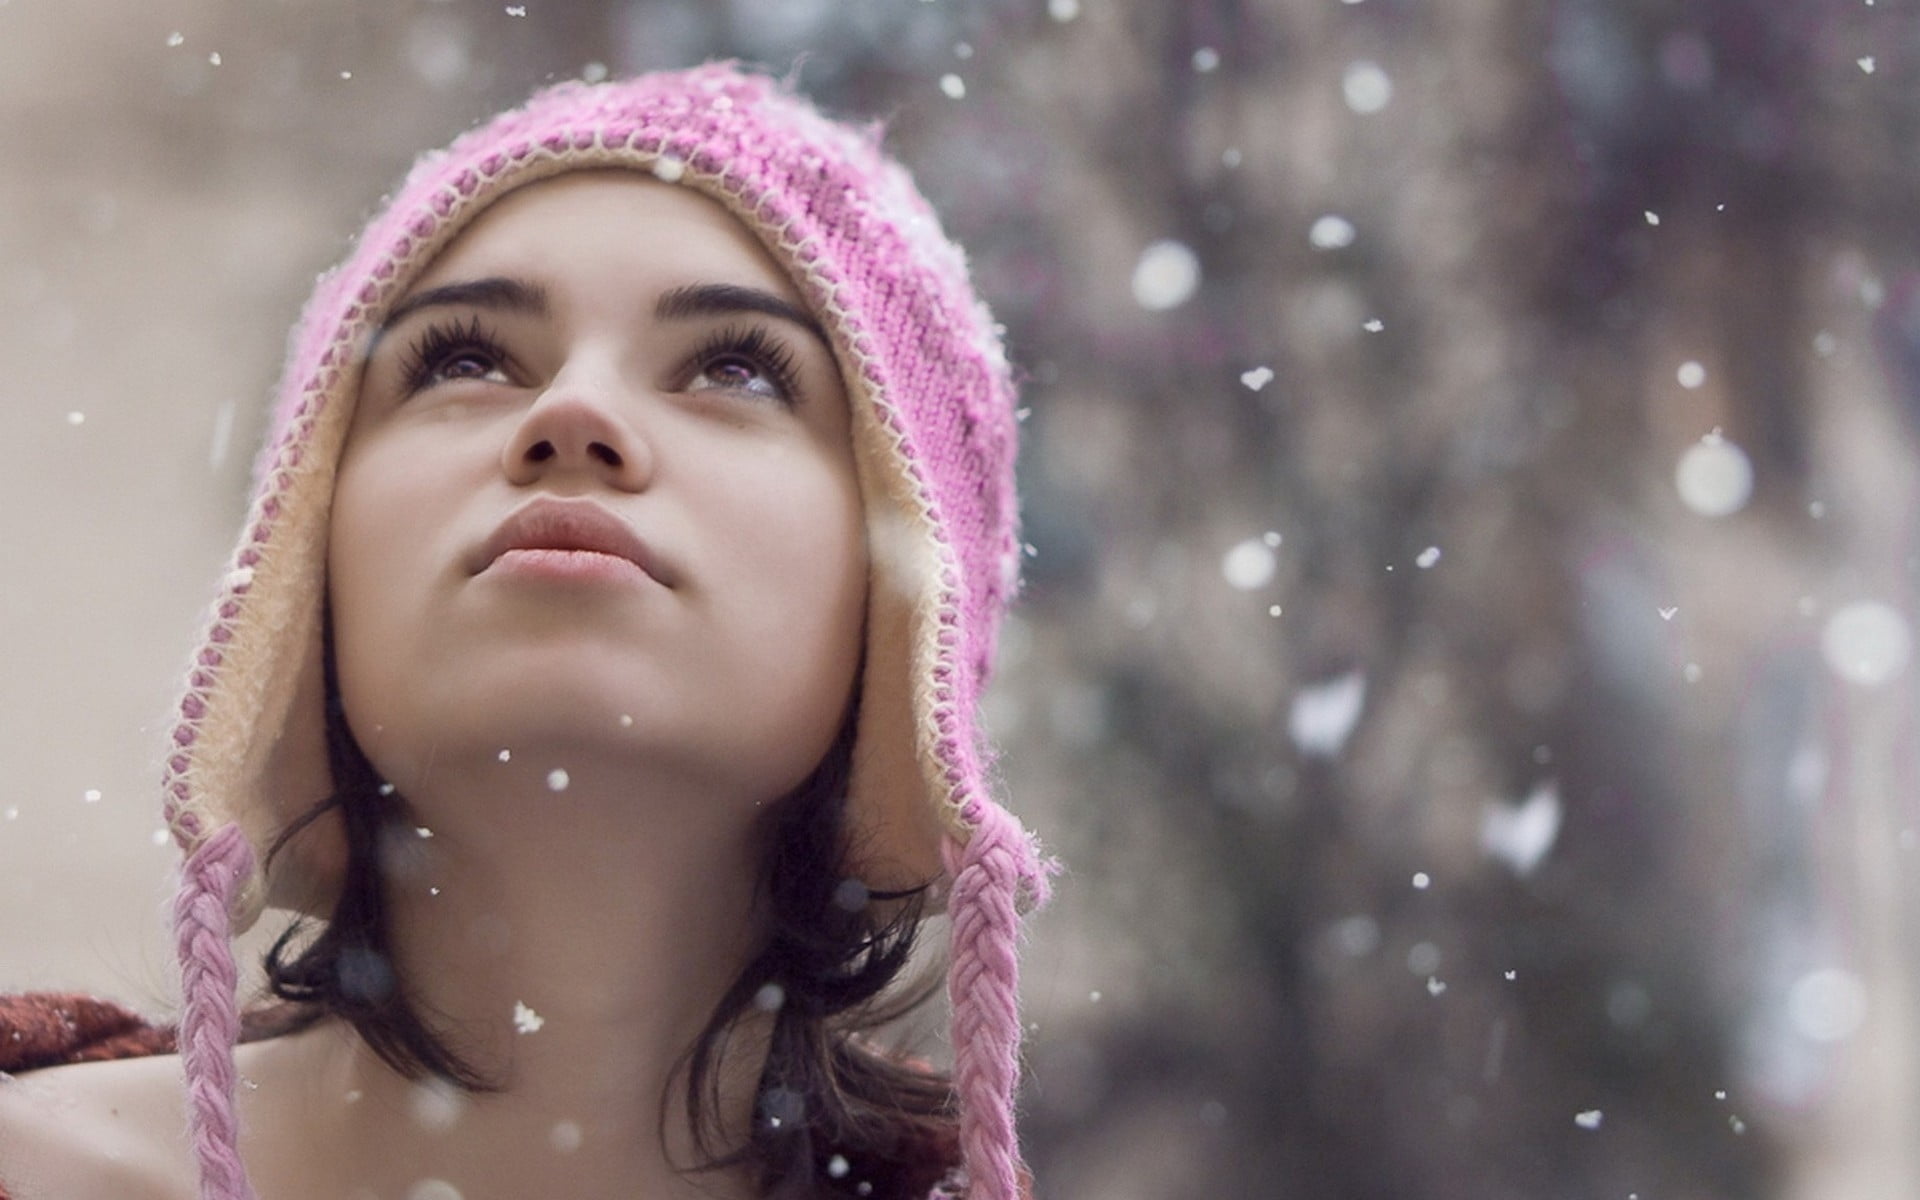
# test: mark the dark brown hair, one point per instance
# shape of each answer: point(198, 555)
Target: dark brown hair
point(832, 1113)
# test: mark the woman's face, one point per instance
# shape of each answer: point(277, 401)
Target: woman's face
point(599, 491)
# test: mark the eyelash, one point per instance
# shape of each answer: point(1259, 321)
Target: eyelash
point(439, 344)
point(760, 348)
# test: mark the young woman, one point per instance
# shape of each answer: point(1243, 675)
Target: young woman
point(599, 673)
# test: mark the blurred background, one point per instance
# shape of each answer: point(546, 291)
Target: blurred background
point(1466, 661)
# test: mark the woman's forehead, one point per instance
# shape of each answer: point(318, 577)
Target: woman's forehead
point(610, 217)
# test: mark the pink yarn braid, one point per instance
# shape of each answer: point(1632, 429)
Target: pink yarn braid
point(210, 1023)
point(983, 986)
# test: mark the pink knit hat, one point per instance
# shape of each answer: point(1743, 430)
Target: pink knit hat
point(932, 405)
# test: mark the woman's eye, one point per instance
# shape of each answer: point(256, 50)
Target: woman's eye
point(454, 354)
point(739, 375)
point(467, 364)
point(750, 361)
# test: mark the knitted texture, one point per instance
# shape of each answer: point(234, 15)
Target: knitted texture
point(210, 1017)
point(931, 397)
point(982, 987)
point(931, 402)
point(49, 1029)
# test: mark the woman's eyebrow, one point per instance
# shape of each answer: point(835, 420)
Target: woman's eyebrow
point(495, 292)
point(506, 294)
point(720, 299)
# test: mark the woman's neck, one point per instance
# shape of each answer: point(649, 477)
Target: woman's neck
point(568, 936)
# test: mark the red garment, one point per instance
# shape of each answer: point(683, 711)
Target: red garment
point(49, 1029)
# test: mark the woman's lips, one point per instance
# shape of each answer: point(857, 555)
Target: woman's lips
point(584, 565)
point(557, 537)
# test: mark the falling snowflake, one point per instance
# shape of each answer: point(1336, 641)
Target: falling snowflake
point(851, 895)
point(525, 1020)
point(1866, 642)
point(1366, 87)
point(1166, 276)
point(771, 998)
point(1257, 378)
point(1331, 232)
point(1590, 1119)
point(1323, 716)
point(1827, 1005)
point(1248, 565)
point(557, 780)
point(1521, 835)
point(1715, 477)
point(436, 1104)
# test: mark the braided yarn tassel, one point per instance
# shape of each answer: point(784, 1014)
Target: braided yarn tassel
point(983, 987)
point(210, 1022)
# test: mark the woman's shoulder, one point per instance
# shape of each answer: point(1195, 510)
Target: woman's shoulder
point(90, 1103)
point(108, 1128)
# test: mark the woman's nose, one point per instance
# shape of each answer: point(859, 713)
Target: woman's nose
point(571, 430)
